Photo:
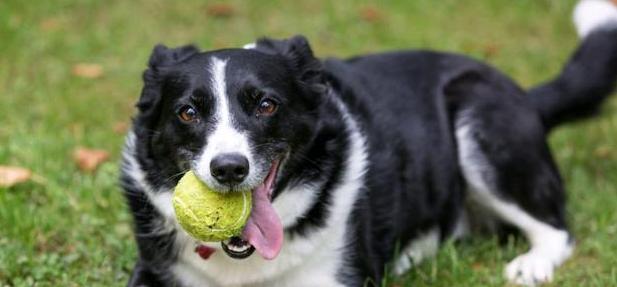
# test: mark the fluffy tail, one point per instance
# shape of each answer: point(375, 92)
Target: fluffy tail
point(590, 75)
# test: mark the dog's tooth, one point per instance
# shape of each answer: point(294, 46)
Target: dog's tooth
point(237, 249)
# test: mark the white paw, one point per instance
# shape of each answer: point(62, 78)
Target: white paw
point(530, 269)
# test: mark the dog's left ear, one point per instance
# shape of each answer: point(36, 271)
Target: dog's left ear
point(160, 58)
point(300, 56)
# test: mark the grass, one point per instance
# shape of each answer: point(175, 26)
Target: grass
point(72, 228)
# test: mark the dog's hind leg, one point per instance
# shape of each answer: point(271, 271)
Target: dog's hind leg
point(509, 171)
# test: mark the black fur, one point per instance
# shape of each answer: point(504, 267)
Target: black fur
point(590, 72)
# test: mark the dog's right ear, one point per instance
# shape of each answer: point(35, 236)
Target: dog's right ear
point(161, 57)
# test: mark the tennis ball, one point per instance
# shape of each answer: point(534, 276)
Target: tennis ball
point(208, 215)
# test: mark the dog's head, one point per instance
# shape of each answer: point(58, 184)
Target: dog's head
point(232, 116)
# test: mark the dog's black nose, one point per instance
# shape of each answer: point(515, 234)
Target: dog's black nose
point(229, 168)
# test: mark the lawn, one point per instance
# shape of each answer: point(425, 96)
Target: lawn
point(71, 228)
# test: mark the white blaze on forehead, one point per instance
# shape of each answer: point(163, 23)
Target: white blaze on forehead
point(219, 88)
point(225, 138)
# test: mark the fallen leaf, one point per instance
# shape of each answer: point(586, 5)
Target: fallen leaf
point(88, 70)
point(614, 2)
point(220, 10)
point(12, 175)
point(49, 25)
point(120, 128)
point(371, 14)
point(491, 50)
point(477, 266)
point(603, 152)
point(89, 159)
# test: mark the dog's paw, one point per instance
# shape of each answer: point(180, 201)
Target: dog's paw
point(530, 269)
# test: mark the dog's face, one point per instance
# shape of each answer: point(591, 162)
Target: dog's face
point(232, 116)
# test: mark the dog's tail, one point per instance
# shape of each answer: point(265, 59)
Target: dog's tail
point(590, 75)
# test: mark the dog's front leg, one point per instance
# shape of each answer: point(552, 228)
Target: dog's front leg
point(142, 276)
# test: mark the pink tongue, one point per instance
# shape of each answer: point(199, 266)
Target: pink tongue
point(264, 230)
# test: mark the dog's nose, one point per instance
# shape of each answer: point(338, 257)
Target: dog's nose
point(229, 168)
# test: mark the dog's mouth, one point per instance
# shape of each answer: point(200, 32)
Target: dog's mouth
point(237, 248)
point(263, 231)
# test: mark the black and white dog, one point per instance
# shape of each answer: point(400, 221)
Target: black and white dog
point(353, 164)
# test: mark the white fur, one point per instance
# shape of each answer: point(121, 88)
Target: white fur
point(226, 138)
point(313, 260)
point(550, 247)
point(249, 46)
point(295, 202)
point(462, 228)
point(424, 246)
point(590, 15)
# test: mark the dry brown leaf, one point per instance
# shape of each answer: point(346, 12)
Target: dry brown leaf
point(491, 50)
point(614, 2)
point(49, 25)
point(88, 70)
point(220, 10)
point(120, 128)
point(371, 14)
point(603, 152)
point(477, 266)
point(89, 159)
point(12, 175)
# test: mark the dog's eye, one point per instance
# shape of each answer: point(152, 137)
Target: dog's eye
point(188, 114)
point(266, 107)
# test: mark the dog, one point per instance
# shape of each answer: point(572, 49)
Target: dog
point(354, 164)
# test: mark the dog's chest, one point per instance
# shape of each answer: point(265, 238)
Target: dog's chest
point(305, 260)
point(302, 262)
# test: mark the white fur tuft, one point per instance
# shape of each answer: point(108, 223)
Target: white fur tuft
point(590, 15)
point(422, 247)
point(249, 46)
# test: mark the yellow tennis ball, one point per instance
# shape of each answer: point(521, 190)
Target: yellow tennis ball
point(208, 215)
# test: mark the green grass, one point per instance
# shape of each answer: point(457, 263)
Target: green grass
point(72, 229)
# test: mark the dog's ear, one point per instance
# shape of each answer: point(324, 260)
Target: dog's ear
point(299, 54)
point(161, 57)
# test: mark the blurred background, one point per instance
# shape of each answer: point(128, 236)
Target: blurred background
point(70, 72)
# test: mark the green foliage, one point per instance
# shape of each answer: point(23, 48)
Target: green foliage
point(73, 229)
